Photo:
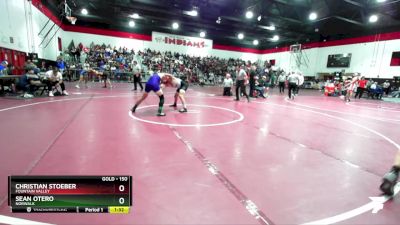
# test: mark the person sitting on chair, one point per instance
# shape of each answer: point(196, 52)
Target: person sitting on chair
point(28, 83)
point(395, 94)
point(3, 68)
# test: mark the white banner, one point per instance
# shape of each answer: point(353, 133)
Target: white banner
point(172, 40)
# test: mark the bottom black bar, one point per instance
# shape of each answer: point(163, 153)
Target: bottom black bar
point(59, 209)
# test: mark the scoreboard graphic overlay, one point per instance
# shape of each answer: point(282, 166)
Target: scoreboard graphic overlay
point(70, 194)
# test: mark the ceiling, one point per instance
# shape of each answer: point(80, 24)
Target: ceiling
point(337, 19)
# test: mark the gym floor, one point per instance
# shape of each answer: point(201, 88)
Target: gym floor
point(271, 161)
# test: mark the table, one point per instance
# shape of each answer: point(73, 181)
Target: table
point(5, 78)
point(10, 77)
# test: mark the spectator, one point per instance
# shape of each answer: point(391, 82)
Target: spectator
point(228, 84)
point(189, 67)
point(3, 68)
point(395, 94)
point(43, 67)
point(386, 87)
point(211, 78)
point(54, 79)
point(376, 91)
point(262, 86)
point(27, 83)
point(369, 83)
point(61, 65)
point(11, 68)
point(338, 88)
point(5, 82)
point(29, 65)
point(73, 54)
point(78, 55)
point(374, 85)
point(361, 87)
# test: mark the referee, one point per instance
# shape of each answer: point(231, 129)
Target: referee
point(240, 79)
point(136, 76)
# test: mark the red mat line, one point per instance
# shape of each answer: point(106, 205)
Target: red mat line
point(315, 149)
point(243, 199)
point(324, 153)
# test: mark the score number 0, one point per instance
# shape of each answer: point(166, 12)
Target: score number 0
point(121, 188)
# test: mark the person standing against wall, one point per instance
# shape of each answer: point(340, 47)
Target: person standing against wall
point(241, 77)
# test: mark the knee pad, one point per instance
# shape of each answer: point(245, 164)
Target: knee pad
point(161, 101)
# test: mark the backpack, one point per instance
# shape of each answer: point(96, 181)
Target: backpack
point(57, 93)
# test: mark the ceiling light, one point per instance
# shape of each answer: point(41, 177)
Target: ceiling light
point(193, 13)
point(175, 25)
point(259, 18)
point(255, 42)
point(84, 11)
point(249, 14)
point(240, 36)
point(373, 18)
point(134, 16)
point(131, 23)
point(313, 16)
point(202, 34)
point(380, 0)
point(272, 27)
point(275, 38)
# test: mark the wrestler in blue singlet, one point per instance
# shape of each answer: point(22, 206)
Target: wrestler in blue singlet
point(153, 83)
